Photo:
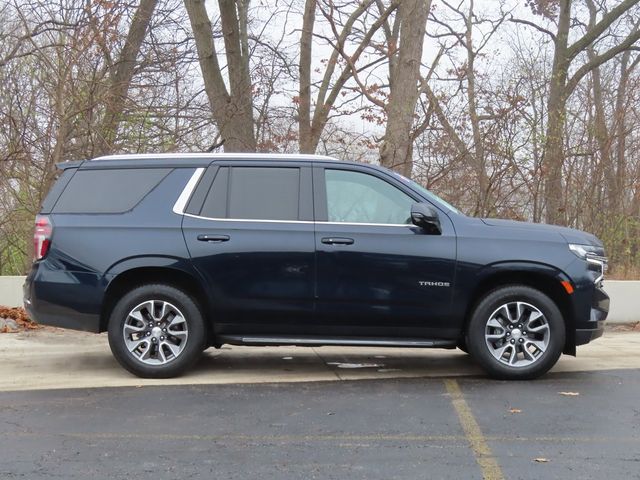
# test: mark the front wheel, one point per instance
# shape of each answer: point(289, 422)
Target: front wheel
point(156, 331)
point(516, 333)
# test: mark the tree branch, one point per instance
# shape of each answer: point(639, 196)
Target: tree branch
point(537, 27)
point(602, 58)
point(593, 34)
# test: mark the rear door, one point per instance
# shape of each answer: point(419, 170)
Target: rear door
point(379, 275)
point(249, 231)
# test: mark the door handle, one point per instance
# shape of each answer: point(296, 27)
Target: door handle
point(214, 238)
point(337, 241)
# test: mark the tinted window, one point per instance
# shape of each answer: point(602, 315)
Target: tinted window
point(58, 187)
point(264, 193)
point(354, 197)
point(215, 205)
point(108, 191)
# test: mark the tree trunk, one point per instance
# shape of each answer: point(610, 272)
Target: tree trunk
point(553, 157)
point(238, 132)
point(304, 98)
point(232, 112)
point(121, 79)
point(396, 151)
point(600, 129)
point(478, 146)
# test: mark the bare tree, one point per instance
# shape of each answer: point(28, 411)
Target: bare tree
point(396, 150)
point(122, 74)
point(232, 108)
point(341, 63)
point(562, 84)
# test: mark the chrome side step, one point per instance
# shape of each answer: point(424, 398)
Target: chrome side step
point(263, 340)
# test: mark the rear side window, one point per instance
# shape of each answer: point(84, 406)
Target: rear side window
point(264, 193)
point(254, 193)
point(108, 191)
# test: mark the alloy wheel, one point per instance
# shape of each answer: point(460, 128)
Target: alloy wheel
point(155, 332)
point(517, 334)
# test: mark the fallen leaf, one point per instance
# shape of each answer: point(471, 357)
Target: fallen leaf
point(19, 315)
point(541, 460)
point(569, 394)
point(515, 410)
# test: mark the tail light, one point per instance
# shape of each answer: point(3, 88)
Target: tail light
point(42, 237)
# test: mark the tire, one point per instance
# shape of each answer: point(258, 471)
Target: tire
point(516, 350)
point(164, 324)
point(462, 345)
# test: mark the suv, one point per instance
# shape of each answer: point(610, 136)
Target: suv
point(171, 254)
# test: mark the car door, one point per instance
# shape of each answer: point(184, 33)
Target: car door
point(249, 231)
point(378, 274)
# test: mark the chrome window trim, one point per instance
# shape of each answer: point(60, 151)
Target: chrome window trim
point(258, 220)
point(184, 197)
point(244, 219)
point(370, 224)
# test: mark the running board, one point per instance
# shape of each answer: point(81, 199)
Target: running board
point(309, 341)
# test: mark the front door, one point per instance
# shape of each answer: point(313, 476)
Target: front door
point(252, 240)
point(378, 274)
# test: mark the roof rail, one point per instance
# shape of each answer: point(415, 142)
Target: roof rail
point(244, 156)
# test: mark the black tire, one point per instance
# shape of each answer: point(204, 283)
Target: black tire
point(195, 341)
point(479, 347)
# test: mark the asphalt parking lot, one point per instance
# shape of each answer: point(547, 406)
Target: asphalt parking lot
point(573, 423)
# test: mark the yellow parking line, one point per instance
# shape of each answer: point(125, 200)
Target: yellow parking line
point(488, 463)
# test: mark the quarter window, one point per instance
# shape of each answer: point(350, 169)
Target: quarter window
point(108, 191)
point(355, 197)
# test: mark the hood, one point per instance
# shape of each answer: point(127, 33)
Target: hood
point(571, 235)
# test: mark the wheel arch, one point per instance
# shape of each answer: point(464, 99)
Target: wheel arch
point(542, 277)
point(130, 278)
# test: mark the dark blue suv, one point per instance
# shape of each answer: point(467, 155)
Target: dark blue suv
point(172, 254)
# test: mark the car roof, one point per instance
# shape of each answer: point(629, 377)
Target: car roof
point(188, 159)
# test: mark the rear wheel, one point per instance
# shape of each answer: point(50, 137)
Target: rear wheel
point(516, 333)
point(156, 331)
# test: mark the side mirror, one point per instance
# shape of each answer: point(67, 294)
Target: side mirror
point(425, 216)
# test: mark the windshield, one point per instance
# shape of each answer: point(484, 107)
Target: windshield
point(431, 196)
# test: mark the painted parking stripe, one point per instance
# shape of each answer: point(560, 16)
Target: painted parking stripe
point(488, 463)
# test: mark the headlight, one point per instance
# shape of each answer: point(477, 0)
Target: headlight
point(583, 251)
point(594, 256)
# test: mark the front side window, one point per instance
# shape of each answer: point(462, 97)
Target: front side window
point(355, 197)
point(263, 193)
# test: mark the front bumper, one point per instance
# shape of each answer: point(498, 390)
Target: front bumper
point(594, 327)
point(584, 336)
